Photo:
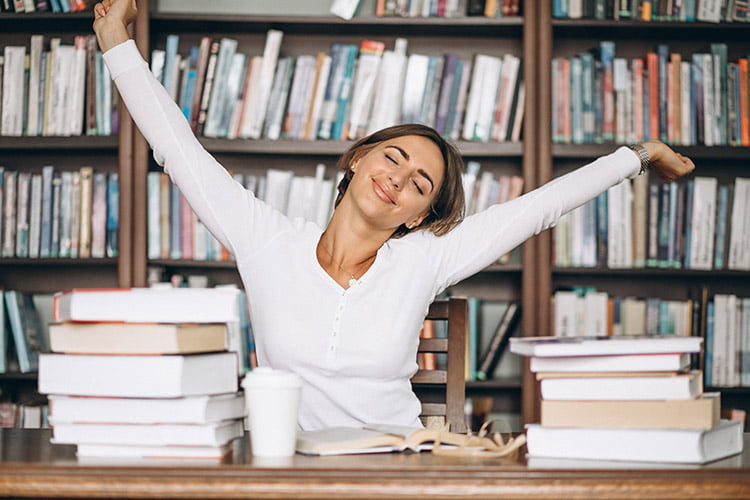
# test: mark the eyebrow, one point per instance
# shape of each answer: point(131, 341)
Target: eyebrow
point(420, 171)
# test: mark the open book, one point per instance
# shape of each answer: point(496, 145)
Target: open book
point(373, 438)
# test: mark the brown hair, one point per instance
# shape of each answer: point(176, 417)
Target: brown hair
point(447, 207)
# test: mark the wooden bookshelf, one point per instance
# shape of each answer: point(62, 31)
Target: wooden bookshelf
point(535, 36)
point(564, 38)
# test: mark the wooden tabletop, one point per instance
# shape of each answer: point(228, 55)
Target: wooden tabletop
point(33, 467)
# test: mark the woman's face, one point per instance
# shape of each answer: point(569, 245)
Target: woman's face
point(395, 182)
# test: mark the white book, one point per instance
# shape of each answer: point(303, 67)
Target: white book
point(415, 82)
point(368, 65)
point(35, 72)
point(133, 376)
point(595, 313)
point(145, 305)
point(386, 108)
point(128, 451)
point(233, 95)
point(99, 216)
point(253, 127)
point(77, 85)
point(278, 185)
point(278, 98)
point(739, 258)
point(13, 90)
point(212, 434)
point(619, 223)
point(702, 223)
point(218, 98)
point(185, 410)
point(568, 308)
point(153, 187)
point(611, 363)
point(316, 103)
point(621, 387)
point(648, 445)
point(603, 345)
point(35, 215)
point(481, 100)
point(63, 66)
point(685, 94)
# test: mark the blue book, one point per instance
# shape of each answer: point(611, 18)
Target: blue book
point(663, 54)
point(690, 189)
point(587, 97)
point(186, 95)
point(719, 50)
point(345, 93)
point(708, 347)
point(113, 214)
point(26, 329)
point(45, 237)
point(721, 227)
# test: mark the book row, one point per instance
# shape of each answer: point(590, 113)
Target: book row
point(344, 94)
point(175, 232)
point(56, 89)
point(711, 11)
point(700, 99)
point(29, 6)
point(699, 224)
point(587, 311)
point(23, 415)
point(446, 8)
point(724, 322)
point(727, 357)
point(53, 213)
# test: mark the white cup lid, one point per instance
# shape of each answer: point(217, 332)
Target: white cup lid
point(265, 376)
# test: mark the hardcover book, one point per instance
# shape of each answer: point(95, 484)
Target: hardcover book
point(603, 345)
point(644, 445)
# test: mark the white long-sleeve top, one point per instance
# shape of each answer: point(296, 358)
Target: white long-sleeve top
point(354, 348)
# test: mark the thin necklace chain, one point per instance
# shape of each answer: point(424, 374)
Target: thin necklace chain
point(352, 276)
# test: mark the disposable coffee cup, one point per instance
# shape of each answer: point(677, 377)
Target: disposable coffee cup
point(272, 398)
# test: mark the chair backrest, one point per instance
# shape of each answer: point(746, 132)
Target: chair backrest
point(447, 384)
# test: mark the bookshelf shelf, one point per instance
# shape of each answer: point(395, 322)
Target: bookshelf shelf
point(654, 272)
point(586, 151)
point(48, 22)
point(359, 26)
point(85, 143)
point(88, 262)
point(629, 30)
point(335, 148)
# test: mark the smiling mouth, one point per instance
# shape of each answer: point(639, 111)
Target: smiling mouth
point(382, 193)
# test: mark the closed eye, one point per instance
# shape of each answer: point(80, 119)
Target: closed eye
point(419, 188)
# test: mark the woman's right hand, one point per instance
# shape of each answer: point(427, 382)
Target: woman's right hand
point(111, 20)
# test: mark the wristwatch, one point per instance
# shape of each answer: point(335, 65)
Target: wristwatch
point(642, 154)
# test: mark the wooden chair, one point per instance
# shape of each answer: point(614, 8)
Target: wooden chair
point(447, 386)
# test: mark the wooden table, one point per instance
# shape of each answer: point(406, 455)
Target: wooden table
point(32, 467)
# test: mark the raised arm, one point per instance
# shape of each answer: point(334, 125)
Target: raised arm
point(232, 214)
point(480, 239)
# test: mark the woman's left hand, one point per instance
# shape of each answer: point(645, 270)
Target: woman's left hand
point(666, 163)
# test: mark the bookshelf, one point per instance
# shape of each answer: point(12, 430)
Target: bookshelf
point(567, 38)
point(531, 276)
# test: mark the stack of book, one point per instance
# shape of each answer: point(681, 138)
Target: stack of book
point(144, 372)
point(626, 397)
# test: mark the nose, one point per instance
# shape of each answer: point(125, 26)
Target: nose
point(397, 178)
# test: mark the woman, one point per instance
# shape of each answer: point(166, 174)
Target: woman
point(342, 307)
